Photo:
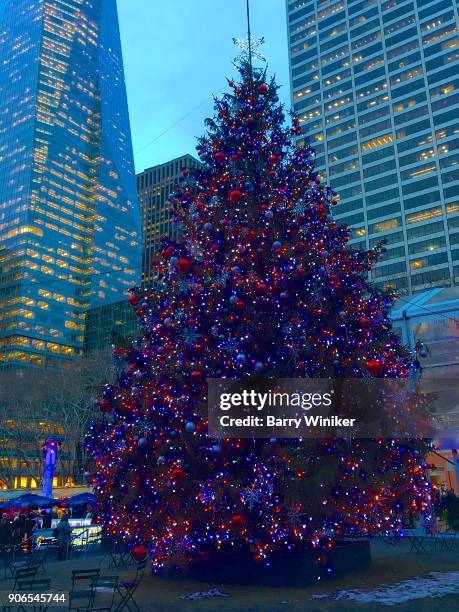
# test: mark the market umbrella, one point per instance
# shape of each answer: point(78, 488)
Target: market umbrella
point(30, 499)
point(82, 498)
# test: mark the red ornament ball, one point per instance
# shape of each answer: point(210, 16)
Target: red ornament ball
point(261, 288)
point(374, 367)
point(184, 265)
point(132, 299)
point(263, 88)
point(196, 376)
point(139, 552)
point(219, 157)
point(105, 405)
point(177, 474)
point(235, 196)
point(237, 521)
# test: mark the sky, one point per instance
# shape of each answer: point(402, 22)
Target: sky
point(177, 54)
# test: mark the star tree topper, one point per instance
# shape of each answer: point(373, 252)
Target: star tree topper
point(249, 47)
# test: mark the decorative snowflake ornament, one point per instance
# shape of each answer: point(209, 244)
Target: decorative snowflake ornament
point(189, 336)
point(251, 496)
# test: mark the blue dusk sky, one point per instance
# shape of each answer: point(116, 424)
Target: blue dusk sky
point(177, 54)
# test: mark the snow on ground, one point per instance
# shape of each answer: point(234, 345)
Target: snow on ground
point(435, 584)
point(198, 595)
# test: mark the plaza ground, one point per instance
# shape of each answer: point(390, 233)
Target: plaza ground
point(391, 564)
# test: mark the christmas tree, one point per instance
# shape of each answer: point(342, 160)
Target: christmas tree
point(260, 282)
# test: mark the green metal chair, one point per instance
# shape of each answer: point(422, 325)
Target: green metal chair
point(100, 586)
point(126, 589)
point(81, 591)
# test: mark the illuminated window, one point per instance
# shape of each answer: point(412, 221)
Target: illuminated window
point(423, 215)
point(386, 226)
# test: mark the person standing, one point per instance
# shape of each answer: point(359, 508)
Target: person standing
point(46, 523)
point(16, 531)
point(89, 514)
point(5, 536)
point(64, 537)
point(30, 528)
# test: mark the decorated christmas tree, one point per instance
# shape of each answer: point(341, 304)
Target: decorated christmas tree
point(260, 282)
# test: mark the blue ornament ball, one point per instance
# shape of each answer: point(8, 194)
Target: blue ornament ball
point(277, 244)
point(233, 299)
point(259, 366)
point(190, 427)
point(240, 358)
point(269, 214)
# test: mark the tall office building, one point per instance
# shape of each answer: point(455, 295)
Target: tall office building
point(110, 324)
point(375, 85)
point(153, 188)
point(69, 222)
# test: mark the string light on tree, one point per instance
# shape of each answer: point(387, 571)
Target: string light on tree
point(260, 279)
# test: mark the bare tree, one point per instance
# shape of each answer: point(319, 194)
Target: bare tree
point(39, 403)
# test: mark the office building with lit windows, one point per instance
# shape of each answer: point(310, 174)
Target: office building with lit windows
point(110, 325)
point(153, 188)
point(69, 222)
point(376, 87)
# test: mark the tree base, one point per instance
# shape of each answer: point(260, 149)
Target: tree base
point(286, 569)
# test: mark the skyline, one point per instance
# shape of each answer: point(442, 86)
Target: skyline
point(153, 33)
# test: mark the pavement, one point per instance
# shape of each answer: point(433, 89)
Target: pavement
point(381, 584)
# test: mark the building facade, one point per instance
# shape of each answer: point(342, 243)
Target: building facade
point(69, 222)
point(110, 324)
point(153, 188)
point(376, 87)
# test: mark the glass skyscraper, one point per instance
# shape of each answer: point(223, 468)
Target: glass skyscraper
point(376, 87)
point(69, 222)
point(153, 188)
